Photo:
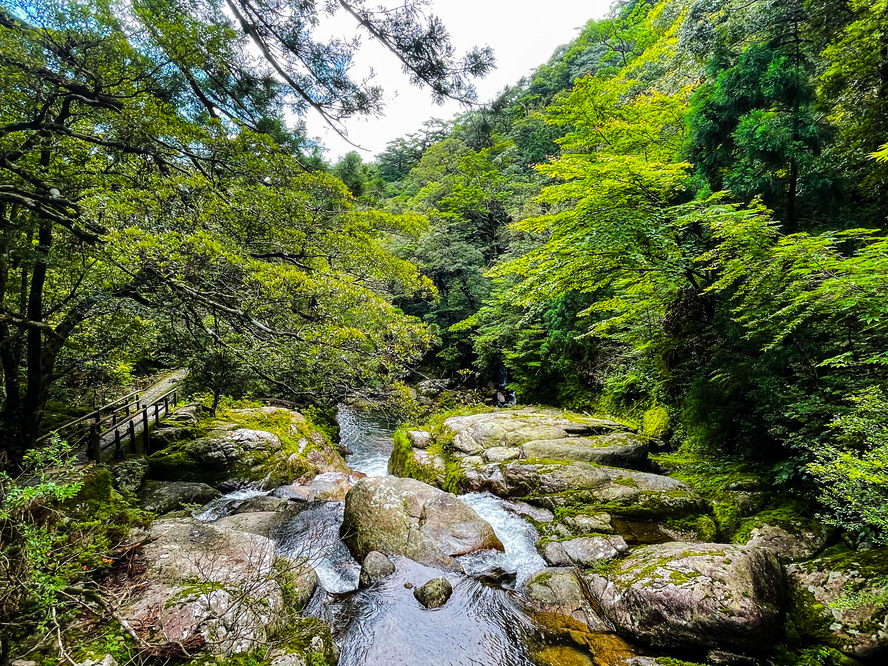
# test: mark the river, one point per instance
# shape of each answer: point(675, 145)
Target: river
point(482, 624)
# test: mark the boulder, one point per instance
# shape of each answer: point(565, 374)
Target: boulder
point(375, 567)
point(260, 504)
point(202, 581)
point(694, 595)
point(410, 518)
point(841, 599)
point(230, 452)
point(790, 543)
point(559, 593)
point(164, 496)
point(435, 593)
point(584, 552)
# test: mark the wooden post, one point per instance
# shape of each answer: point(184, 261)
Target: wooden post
point(118, 447)
point(156, 413)
point(94, 446)
point(146, 437)
point(166, 405)
point(131, 426)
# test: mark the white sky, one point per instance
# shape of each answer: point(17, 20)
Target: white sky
point(523, 36)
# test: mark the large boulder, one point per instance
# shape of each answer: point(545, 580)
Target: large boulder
point(680, 595)
point(545, 457)
point(230, 451)
point(584, 552)
point(164, 496)
point(410, 518)
point(212, 587)
point(841, 599)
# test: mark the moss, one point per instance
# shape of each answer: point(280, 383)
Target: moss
point(810, 618)
point(790, 515)
point(727, 519)
point(711, 477)
point(403, 462)
point(656, 422)
point(819, 655)
point(671, 661)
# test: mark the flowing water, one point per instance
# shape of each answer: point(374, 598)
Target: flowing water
point(384, 624)
point(482, 624)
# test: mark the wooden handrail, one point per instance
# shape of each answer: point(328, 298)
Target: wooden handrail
point(92, 415)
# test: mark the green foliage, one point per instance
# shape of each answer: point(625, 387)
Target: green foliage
point(853, 473)
point(59, 523)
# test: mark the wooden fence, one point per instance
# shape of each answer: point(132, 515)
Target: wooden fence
point(117, 423)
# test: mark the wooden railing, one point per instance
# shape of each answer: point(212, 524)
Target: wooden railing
point(123, 419)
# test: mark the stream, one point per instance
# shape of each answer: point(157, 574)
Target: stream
point(481, 624)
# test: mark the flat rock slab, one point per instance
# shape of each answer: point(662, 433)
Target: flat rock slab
point(407, 517)
point(618, 449)
point(842, 600)
point(695, 595)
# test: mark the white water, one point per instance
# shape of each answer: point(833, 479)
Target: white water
point(518, 537)
point(222, 506)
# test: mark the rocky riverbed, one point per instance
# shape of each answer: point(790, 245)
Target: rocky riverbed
point(508, 536)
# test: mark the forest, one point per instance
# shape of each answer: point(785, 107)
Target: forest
point(678, 221)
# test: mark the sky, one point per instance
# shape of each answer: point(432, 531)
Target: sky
point(523, 36)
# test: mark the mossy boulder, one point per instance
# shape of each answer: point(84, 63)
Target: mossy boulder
point(841, 599)
point(410, 518)
point(680, 595)
point(164, 496)
point(559, 595)
point(270, 446)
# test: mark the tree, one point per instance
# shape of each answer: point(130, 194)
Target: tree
point(754, 128)
point(137, 142)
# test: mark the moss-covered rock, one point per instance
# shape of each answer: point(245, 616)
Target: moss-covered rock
point(269, 445)
point(694, 595)
point(841, 600)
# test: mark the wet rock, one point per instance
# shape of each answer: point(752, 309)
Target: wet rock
point(261, 503)
point(410, 518)
point(164, 496)
point(498, 454)
point(535, 513)
point(497, 576)
point(694, 595)
point(435, 593)
point(841, 600)
point(326, 487)
point(801, 542)
point(128, 475)
point(219, 583)
point(375, 567)
point(559, 592)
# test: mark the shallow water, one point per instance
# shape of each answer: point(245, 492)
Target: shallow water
point(480, 625)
